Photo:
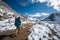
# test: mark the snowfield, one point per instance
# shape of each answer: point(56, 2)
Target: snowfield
point(7, 24)
point(45, 31)
point(6, 19)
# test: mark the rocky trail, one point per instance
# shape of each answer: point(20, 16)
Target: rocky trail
point(9, 35)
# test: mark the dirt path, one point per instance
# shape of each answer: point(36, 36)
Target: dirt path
point(22, 36)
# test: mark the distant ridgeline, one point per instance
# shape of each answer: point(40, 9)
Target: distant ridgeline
point(53, 17)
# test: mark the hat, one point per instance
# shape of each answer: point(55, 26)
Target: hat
point(19, 17)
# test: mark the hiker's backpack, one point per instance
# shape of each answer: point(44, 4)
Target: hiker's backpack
point(17, 22)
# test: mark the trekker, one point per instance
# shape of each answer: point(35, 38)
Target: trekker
point(17, 24)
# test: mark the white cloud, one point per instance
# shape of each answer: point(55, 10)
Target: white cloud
point(51, 3)
point(54, 3)
point(38, 0)
point(45, 14)
point(36, 15)
point(23, 2)
point(39, 14)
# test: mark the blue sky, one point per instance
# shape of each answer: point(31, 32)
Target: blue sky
point(25, 6)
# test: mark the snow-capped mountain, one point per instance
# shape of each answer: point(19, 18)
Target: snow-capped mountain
point(5, 11)
point(7, 17)
point(53, 17)
point(37, 16)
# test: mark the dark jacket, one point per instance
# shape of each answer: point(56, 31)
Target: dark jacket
point(17, 22)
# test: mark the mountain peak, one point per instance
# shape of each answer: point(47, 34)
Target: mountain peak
point(53, 17)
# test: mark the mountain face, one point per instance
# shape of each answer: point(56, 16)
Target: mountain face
point(5, 11)
point(53, 17)
point(5, 5)
point(7, 17)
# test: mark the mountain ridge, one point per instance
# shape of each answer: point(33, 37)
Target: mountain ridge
point(53, 17)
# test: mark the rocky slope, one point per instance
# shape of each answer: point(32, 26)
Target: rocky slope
point(53, 17)
point(7, 27)
point(7, 16)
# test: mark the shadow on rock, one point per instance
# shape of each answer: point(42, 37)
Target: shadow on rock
point(4, 36)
